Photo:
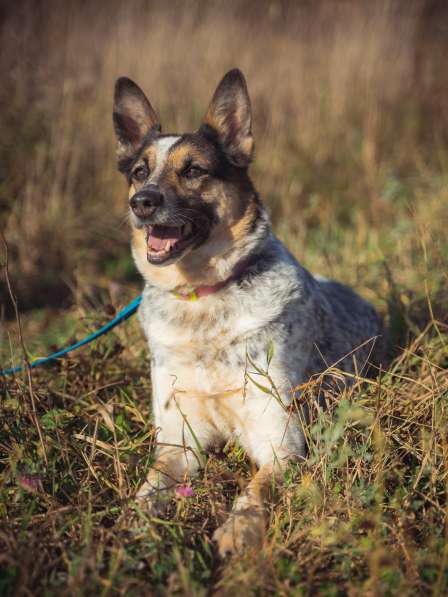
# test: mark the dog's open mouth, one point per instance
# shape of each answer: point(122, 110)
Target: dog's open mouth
point(167, 242)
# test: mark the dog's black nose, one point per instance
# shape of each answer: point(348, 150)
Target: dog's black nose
point(145, 202)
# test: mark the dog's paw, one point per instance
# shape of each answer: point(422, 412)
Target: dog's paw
point(244, 530)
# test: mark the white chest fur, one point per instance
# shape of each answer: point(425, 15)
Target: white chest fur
point(202, 344)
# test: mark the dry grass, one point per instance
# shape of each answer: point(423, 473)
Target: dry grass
point(351, 127)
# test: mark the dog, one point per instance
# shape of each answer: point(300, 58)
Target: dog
point(223, 298)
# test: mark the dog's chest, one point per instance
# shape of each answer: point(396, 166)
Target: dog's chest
point(202, 345)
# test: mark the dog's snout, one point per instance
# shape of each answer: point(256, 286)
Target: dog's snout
point(145, 202)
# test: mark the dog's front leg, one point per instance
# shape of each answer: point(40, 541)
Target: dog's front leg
point(181, 431)
point(272, 439)
point(245, 526)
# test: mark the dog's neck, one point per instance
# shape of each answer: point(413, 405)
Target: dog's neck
point(193, 294)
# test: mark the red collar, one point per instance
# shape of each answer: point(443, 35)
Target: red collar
point(201, 291)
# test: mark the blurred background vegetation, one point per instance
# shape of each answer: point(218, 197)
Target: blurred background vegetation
point(350, 102)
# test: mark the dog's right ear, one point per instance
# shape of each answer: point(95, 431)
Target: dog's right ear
point(133, 116)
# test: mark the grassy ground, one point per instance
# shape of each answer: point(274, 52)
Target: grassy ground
point(352, 161)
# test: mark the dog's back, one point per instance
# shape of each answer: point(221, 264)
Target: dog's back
point(350, 330)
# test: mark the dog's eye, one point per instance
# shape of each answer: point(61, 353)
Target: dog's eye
point(140, 173)
point(193, 172)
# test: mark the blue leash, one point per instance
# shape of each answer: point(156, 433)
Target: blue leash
point(122, 316)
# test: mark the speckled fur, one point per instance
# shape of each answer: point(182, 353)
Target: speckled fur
point(204, 356)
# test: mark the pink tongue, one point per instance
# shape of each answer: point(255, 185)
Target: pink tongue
point(161, 238)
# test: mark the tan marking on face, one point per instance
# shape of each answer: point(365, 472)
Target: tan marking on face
point(156, 155)
point(176, 161)
point(151, 155)
point(180, 155)
point(242, 227)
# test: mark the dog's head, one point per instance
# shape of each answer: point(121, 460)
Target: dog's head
point(189, 194)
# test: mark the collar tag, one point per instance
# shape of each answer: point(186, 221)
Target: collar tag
point(191, 296)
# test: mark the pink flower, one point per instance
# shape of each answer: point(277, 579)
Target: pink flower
point(184, 491)
point(28, 482)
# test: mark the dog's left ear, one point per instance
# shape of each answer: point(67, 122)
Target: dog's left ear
point(229, 118)
point(133, 116)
